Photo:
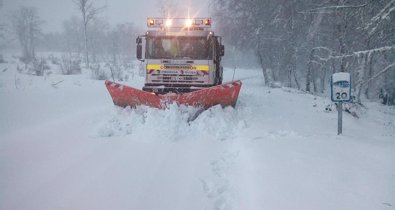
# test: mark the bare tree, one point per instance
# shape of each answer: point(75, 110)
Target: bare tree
point(98, 31)
point(2, 32)
point(71, 36)
point(88, 13)
point(2, 29)
point(27, 27)
point(119, 42)
point(306, 40)
point(2, 25)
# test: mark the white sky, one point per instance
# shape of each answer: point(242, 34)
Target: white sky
point(54, 12)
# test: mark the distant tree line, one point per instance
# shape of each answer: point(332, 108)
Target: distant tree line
point(300, 43)
point(87, 38)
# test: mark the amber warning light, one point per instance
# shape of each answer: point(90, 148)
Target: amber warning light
point(151, 22)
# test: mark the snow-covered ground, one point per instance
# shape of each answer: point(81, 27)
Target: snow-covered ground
point(64, 145)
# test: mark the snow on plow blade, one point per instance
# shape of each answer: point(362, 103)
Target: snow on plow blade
point(225, 95)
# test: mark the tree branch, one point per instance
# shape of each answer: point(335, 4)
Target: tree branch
point(357, 53)
point(329, 9)
point(391, 66)
point(382, 15)
point(92, 12)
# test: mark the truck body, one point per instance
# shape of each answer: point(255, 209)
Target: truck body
point(180, 55)
point(182, 61)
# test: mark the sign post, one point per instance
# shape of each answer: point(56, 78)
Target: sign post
point(339, 118)
point(340, 92)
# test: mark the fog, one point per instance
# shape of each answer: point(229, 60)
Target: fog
point(54, 12)
point(294, 43)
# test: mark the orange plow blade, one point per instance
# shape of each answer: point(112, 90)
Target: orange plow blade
point(225, 95)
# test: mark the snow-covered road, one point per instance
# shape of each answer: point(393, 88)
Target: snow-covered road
point(66, 146)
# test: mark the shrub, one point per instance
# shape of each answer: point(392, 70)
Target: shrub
point(38, 67)
point(70, 65)
point(98, 73)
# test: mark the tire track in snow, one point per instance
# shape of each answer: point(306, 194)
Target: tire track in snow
point(217, 186)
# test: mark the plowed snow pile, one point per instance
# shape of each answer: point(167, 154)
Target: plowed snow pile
point(64, 145)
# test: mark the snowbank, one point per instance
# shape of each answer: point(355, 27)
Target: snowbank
point(66, 146)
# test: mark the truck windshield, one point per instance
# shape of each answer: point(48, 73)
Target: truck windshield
point(197, 48)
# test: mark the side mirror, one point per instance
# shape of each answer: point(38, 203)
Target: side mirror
point(139, 52)
point(139, 40)
point(221, 50)
point(139, 48)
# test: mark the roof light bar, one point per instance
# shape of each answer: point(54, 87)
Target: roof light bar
point(179, 22)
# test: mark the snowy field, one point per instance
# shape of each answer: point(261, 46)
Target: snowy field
point(64, 145)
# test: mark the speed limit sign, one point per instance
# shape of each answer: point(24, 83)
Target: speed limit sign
point(341, 87)
point(340, 92)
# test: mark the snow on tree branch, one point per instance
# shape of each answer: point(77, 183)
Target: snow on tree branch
point(389, 67)
point(354, 54)
point(382, 15)
point(330, 9)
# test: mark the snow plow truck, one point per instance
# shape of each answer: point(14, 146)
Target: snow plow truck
point(182, 60)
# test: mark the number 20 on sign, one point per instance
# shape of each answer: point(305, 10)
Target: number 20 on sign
point(341, 87)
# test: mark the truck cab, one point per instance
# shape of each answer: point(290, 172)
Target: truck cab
point(180, 55)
